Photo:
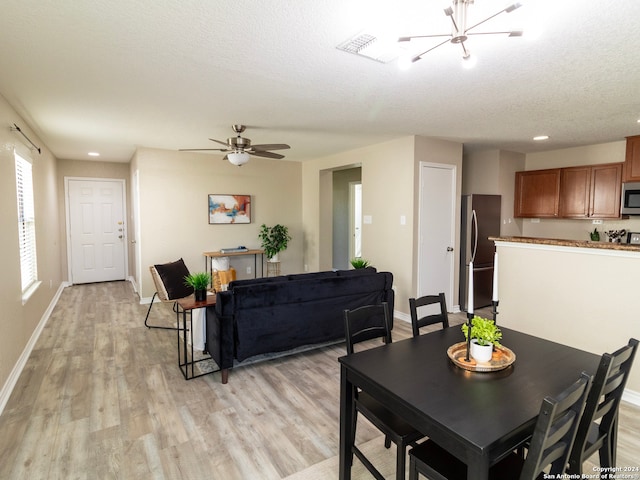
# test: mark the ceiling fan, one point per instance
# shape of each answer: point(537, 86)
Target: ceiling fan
point(239, 148)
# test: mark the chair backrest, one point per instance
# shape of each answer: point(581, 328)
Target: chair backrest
point(604, 398)
point(169, 280)
point(416, 303)
point(367, 323)
point(555, 431)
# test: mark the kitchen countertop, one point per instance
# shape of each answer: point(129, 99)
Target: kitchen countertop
point(569, 243)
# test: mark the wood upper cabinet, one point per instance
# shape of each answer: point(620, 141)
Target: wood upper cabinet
point(575, 192)
point(632, 160)
point(606, 189)
point(537, 193)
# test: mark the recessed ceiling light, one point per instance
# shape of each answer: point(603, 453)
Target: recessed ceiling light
point(541, 137)
point(93, 154)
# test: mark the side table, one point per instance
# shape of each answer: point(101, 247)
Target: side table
point(186, 359)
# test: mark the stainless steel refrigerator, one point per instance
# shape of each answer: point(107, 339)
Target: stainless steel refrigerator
point(480, 220)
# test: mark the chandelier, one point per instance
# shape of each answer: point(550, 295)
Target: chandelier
point(460, 31)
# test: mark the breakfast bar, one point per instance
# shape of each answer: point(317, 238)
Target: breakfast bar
point(580, 293)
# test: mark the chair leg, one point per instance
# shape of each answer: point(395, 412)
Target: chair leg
point(413, 468)
point(147, 317)
point(401, 455)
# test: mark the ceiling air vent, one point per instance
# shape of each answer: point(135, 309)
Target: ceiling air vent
point(371, 46)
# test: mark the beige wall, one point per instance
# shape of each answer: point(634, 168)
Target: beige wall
point(17, 321)
point(492, 172)
point(173, 200)
point(576, 229)
point(389, 190)
point(580, 297)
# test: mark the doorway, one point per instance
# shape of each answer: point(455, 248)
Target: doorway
point(96, 234)
point(436, 259)
point(345, 218)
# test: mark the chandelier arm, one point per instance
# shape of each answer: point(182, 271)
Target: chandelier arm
point(407, 39)
point(464, 49)
point(487, 19)
point(418, 57)
point(510, 32)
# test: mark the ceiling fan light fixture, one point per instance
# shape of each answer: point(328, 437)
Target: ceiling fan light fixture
point(238, 158)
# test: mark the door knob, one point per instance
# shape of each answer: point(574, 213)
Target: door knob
point(120, 236)
point(449, 249)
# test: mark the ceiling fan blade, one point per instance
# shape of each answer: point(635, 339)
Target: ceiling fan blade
point(266, 154)
point(202, 149)
point(271, 146)
point(220, 142)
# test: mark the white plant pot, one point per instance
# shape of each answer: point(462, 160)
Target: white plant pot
point(481, 353)
point(274, 258)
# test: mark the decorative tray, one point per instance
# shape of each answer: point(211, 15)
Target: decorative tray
point(502, 357)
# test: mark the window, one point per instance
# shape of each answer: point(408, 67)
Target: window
point(26, 225)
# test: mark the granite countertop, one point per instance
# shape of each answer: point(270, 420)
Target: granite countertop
point(569, 243)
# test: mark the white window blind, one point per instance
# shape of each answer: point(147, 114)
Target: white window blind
point(26, 223)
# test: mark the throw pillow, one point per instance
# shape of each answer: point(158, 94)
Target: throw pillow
point(172, 275)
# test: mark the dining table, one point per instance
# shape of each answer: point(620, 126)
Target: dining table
point(479, 417)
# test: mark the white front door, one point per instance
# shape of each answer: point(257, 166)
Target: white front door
point(437, 230)
point(96, 230)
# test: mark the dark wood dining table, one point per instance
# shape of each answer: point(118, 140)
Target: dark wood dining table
point(478, 417)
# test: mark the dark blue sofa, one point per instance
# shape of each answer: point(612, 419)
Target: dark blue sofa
point(277, 314)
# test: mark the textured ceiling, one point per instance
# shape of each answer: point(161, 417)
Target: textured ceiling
point(110, 75)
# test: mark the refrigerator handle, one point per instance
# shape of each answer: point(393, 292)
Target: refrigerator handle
point(474, 223)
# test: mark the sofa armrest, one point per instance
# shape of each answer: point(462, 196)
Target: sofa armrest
point(220, 338)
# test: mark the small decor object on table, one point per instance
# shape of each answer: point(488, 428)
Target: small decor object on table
point(274, 240)
point(497, 357)
point(615, 236)
point(484, 336)
point(595, 235)
point(359, 262)
point(199, 282)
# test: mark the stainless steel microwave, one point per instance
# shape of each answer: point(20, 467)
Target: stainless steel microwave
point(630, 198)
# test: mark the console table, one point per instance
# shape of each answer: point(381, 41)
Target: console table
point(209, 256)
point(186, 360)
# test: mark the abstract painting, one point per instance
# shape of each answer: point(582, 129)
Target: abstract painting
point(229, 209)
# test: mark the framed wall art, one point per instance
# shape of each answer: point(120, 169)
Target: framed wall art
point(229, 209)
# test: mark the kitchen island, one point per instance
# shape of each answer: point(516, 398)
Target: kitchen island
point(583, 294)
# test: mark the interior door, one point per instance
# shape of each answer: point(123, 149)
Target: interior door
point(437, 230)
point(96, 230)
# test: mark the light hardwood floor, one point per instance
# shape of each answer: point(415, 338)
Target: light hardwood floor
point(102, 397)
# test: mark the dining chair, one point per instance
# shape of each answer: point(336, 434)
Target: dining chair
point(599, 423)
point(418, 322)
point(550, 445)
point(371, 322)
point(170, 287)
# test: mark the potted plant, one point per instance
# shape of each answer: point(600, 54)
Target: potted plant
point(595, 235)
point(274, 240)
point(485, 334)
point(199, 282)
point(359, 262)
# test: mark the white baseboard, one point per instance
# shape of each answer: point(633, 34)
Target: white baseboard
point(631, 397)
point(10, 384)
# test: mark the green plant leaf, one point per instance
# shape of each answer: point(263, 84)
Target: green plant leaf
point(485, 331)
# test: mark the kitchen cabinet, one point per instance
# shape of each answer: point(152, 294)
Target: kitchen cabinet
point(575, 191)
point(632, 160)
point(537, 193)
point(591, 191)
point(606, 188)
